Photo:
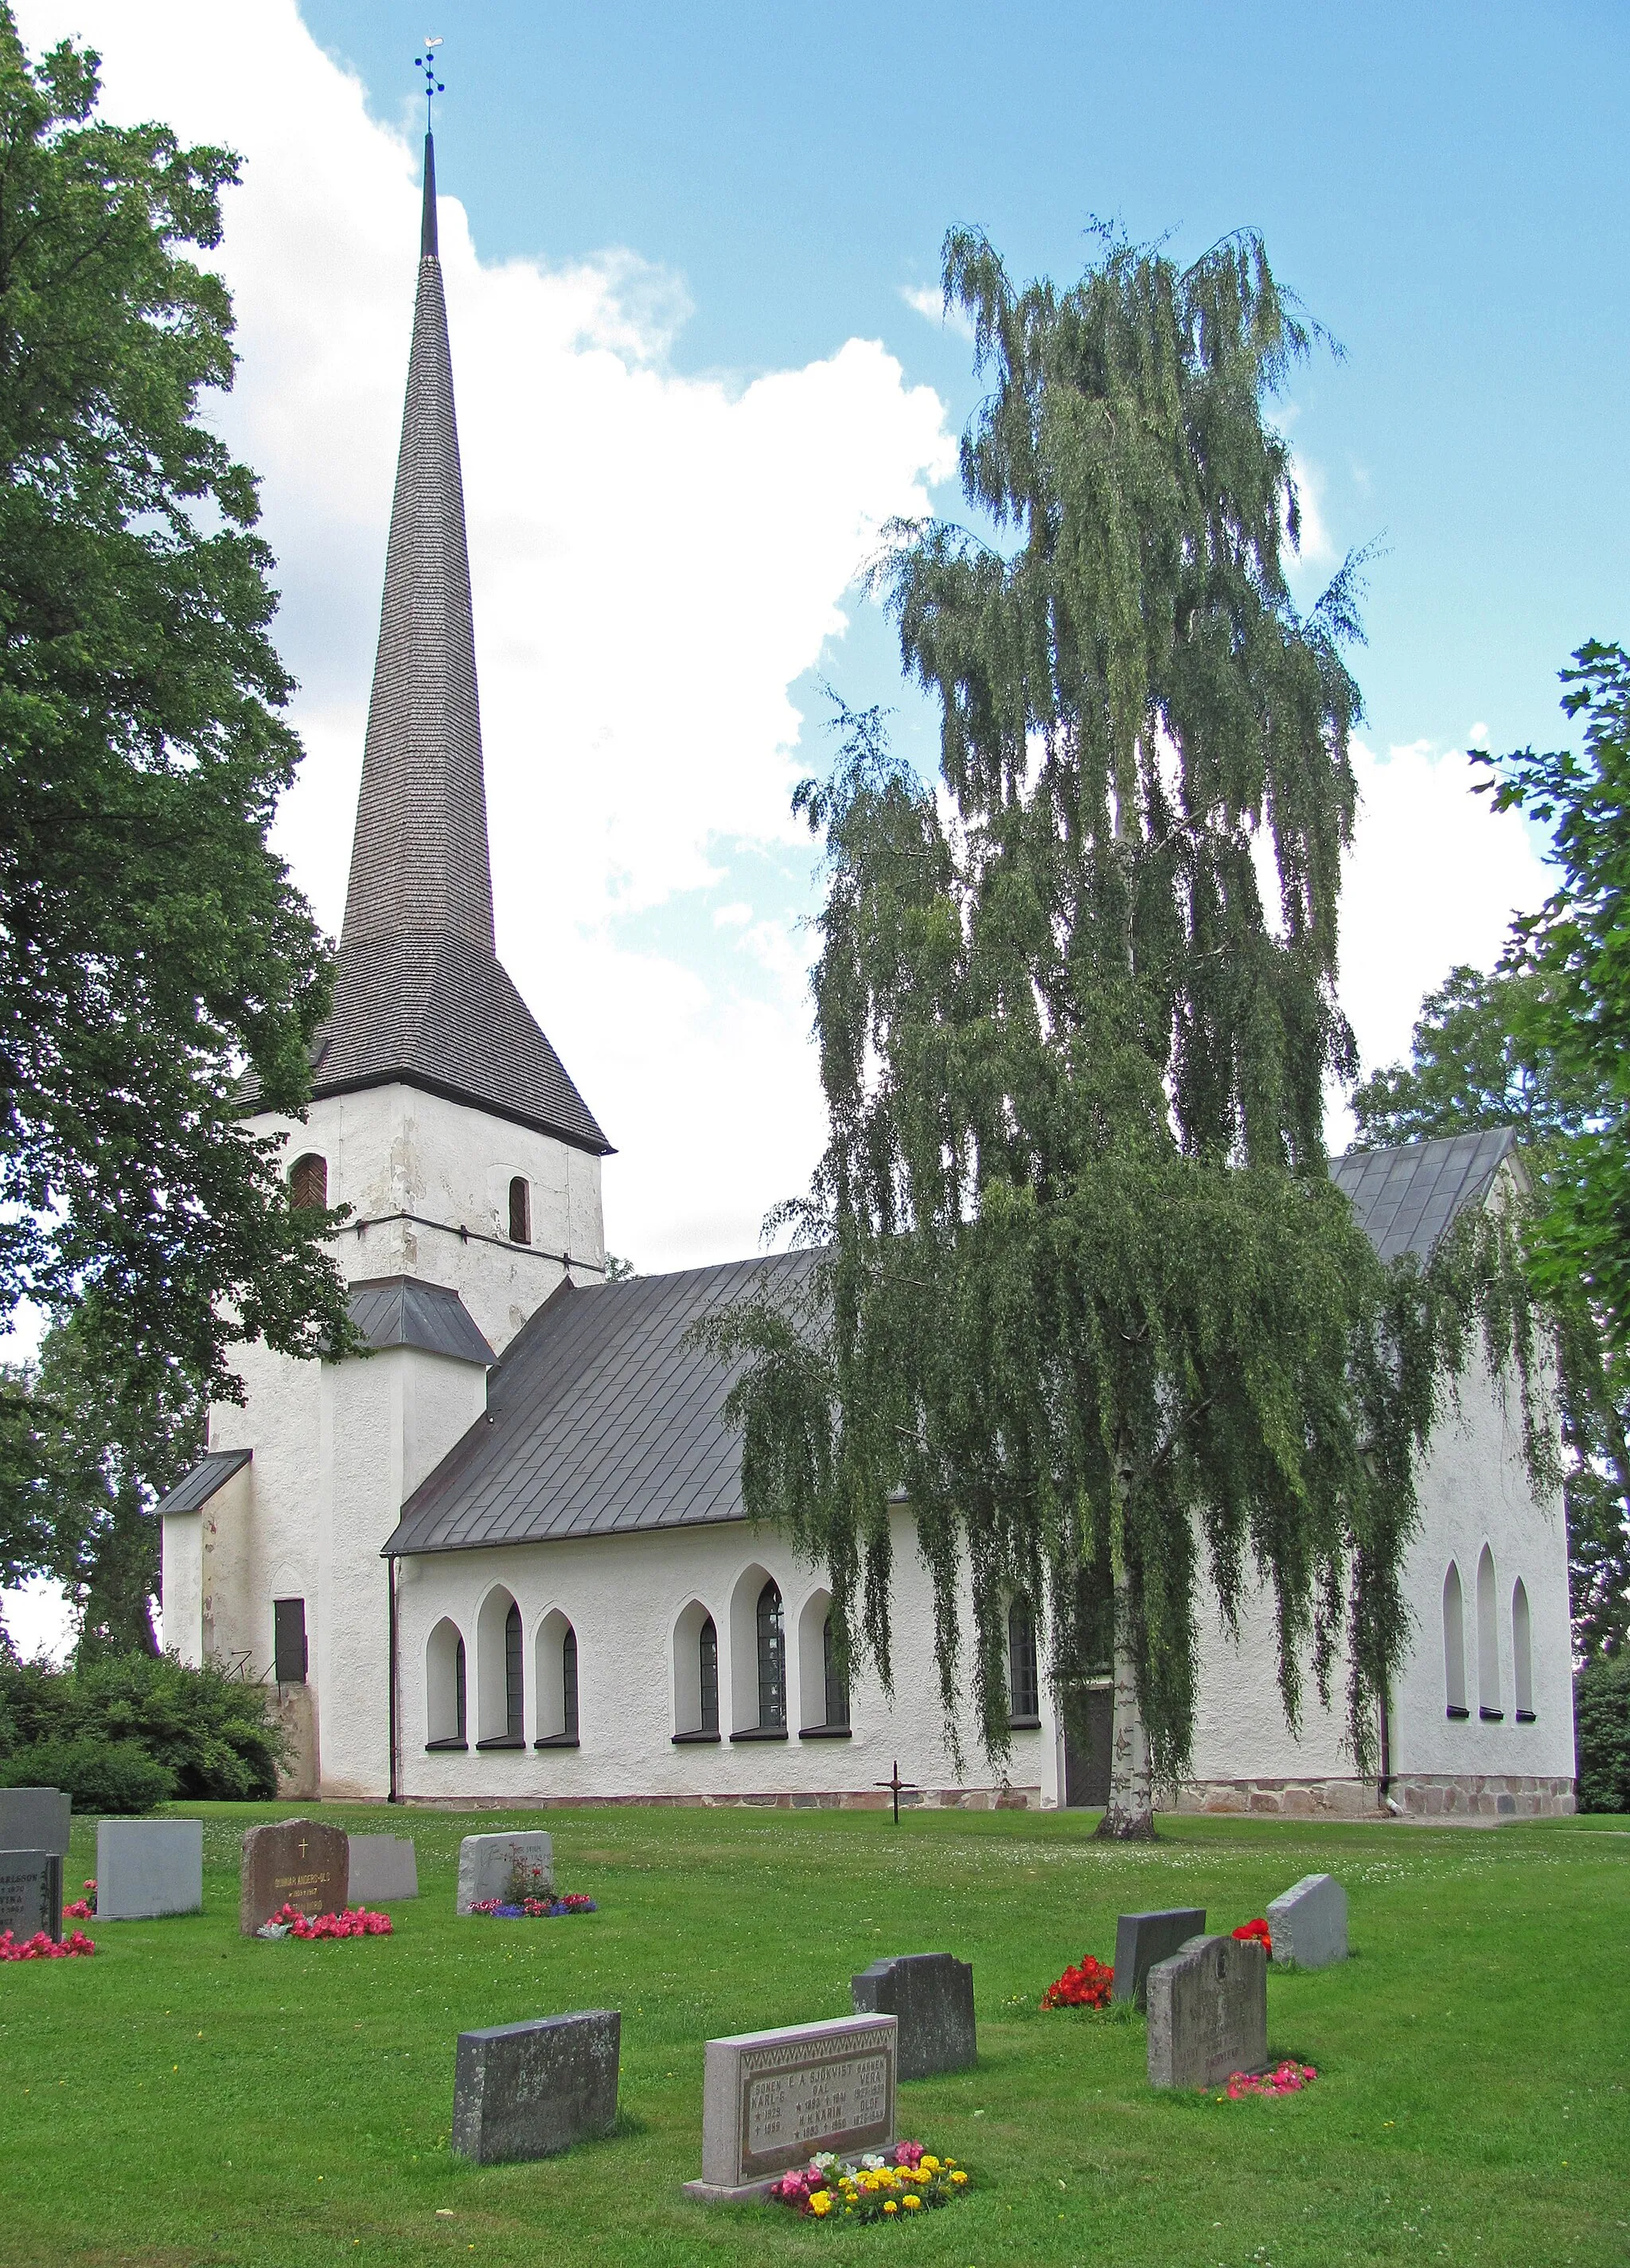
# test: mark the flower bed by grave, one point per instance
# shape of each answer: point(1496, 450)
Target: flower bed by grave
point(83, 1909)
point(40, 1948)
point(899, 2187)
point(351, 1921)
point(534, 1909)
point(1285, 2078)
point(1086, 1985)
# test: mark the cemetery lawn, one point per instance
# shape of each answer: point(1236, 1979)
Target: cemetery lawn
point(191, 2096)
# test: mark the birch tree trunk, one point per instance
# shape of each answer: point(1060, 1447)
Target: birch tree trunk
point(1130, 1816)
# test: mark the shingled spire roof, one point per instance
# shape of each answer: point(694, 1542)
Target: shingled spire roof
point(420, 995)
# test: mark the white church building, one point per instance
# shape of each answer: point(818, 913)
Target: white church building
point(502, 1559)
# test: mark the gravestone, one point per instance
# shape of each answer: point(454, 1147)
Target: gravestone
point(1208, 2012)
point(1143, 1938)
point(488, 1864)
point(35, 1819)
point(531, 2090)
point(1308, 1923)
point(30, 1894)
point(149, 1866)
point(297, 1862)
point(771, 2100)
point(383, 1867)
point(931, 1997)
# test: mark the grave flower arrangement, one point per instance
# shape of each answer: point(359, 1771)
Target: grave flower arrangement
point(872, 2188)
point(1086, 1985)
point(1286, 2078)
point(352, 1921)
point(1257, 1933)
point(534, 1909)
point(83, 1909)
point(40, 1948)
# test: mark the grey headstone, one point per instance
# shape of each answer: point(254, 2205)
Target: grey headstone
point(1208, 2012)
point(383, 1867)
point(1143, 1938)
point(35, 1819)
point(149, 1866)
point(488, 1864)
point(30, 1894)
point(294, 1862)
point(1308, 1923)
point(770, 2100)
point(531, 2090)
point(931, 1994)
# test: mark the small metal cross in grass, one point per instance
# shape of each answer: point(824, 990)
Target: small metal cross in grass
point(897, 1786)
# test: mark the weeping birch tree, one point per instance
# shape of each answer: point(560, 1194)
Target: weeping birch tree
point(1086, 1294)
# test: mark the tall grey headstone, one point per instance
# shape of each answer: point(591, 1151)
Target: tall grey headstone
point(1143, 1938)
point(35, 1819)
point(148, 1867)
point(1208, 2012)
point(1308, 1923)
point(531, 2090)
point(383, 1867)
point(931, 1996)
point(30, 1894)
point(771, 2100)
point(489, 1866)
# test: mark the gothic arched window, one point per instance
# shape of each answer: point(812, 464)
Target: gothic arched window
point(772, 1660)
point(308, 1184)
point(520, 1210)
point(1454, 1643)
point(708, 1674)
point(514, 1689)
point(568, 1682)
point(1024, 1684)
point(445, 1698)
point(1487, 1641)
point(1521, 1653)
point(837, 1692)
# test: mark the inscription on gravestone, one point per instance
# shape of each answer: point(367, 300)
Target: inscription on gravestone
point(295, 1862)
point(31, 1893)
point(773, 2100)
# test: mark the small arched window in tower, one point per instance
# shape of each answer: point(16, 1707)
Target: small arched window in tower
point(520, 1210)
point(708, 1674)
point(1488, 1706)
point(1454, 1644)
point(837, 1690)
point(569, 1683)
point(772, 1660)
point(1024, 1683)
point(1522, 1654)
point(308, 1184)
point(513, 1686)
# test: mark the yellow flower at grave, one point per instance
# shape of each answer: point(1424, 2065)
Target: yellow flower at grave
point(958, 2177)
point(889, 2206)
point(928, 2164)
point(820, 2203)
point(913, 2204)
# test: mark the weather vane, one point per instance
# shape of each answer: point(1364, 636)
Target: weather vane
point(426, 62)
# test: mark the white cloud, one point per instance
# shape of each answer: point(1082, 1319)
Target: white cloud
point(929, 301)
point(1317, 547)
point(657, 559)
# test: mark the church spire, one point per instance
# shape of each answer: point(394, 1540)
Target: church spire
point(419, 858)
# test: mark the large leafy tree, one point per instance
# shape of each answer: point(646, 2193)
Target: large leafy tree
point(1483, 1056)
point(150, 944)
point(1087, 1296)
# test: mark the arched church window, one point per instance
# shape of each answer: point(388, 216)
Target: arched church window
point(1454, 1644)
point(308, 1184)
point(569, 1683)
point(444, 1696)
point(1024, 1681)
point(837, 1689)
point(1522, 1654)
point(1488, 1706)
point(707, 1674)
point(514, 1688)
point(520, 1210)
point(772, 1660)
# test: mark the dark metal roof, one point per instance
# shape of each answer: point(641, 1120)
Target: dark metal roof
point(392, 1311)
point(419, 993)
point(210, 1473)
point(600, 1419)
point(1404, 1199)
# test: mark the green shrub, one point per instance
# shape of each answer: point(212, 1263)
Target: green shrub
point(1602, 1735)
point(101, 1776)
point(214, 1736)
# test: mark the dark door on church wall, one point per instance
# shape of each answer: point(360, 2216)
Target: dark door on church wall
point(1086, 1761)
point(289, 1641)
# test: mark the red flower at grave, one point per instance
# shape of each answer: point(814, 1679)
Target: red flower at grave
point(40, 1948)
point(1086, 1985)
point(1257, 1933)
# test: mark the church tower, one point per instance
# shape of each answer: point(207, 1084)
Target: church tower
point(442, 1118)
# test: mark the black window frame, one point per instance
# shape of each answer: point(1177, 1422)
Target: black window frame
point(836, 1692)
point(1024, 1669)
point(514, 1676)
point(569, 1684)
point(288, 1632)
point(707, 1674)
point(520, 1209)
point(770, 1623)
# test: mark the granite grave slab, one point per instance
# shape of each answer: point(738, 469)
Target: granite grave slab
point(146, 1868)
point(1143, 1938)
point(489, 1865)
point(1208, 2012)
point(30, 1894)
point(531, 2090)
point(1308, 1923)
point(771, 2100)
point(383, 1867)
point(35, 1819)
point(931, 1996)
point(294, 1862)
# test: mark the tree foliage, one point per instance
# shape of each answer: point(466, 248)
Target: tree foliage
point(150, 943)
point(1087, 1296)
point(214, 1736)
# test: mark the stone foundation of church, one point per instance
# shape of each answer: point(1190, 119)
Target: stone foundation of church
point(1490, 1795)
point(1415, 1795)
point(919, 1798)
point(1286, 1799)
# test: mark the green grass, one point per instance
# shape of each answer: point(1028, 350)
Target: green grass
point(190, 2096)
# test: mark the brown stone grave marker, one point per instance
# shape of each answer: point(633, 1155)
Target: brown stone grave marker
point(294, 1862)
